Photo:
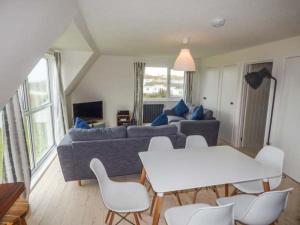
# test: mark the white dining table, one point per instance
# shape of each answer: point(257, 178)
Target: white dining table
point(184, 169)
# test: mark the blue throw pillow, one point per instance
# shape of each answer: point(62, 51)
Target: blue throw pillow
point(80, 123)
point(162, 119)
point(181, 108)
point(198, 113)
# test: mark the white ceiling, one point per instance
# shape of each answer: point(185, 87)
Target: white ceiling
point(156, 27)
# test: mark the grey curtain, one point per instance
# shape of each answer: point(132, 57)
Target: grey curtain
point(16, 158)
point(59, 100)
point(139, 71)
point(188, 87)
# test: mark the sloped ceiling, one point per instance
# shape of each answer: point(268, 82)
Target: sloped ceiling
point(28, 29)
point(157, 27)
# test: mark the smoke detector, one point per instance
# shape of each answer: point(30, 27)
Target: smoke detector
point(218, 22)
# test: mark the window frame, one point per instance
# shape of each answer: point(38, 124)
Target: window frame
point(28, 112)
point(169, 98)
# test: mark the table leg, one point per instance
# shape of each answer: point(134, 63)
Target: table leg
point(143, 176)
point(266, 185)
point(226, 190)
point(156, 215)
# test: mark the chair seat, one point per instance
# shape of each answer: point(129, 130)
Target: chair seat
point(126, 197)
point(250, 187)
point(241, 204)
point(182, 214)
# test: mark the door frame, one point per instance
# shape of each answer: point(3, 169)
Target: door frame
point(243, 101)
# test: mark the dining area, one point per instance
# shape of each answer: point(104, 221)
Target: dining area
point(250, 193)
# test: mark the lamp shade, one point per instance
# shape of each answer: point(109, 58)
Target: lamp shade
point(185, 61)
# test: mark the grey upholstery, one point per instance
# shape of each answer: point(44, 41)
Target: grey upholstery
point(208, 127)
point(119, 155)
point(97, 133)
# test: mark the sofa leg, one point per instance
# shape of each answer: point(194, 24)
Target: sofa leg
point(79, 183)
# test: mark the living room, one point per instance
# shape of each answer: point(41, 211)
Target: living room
point(189, 75)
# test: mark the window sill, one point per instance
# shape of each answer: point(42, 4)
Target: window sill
point(149, 100)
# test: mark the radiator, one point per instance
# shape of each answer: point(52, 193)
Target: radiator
point(151, 111)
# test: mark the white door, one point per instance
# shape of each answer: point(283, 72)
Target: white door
point(209, 88)
point(290, 118)
point(228, 100)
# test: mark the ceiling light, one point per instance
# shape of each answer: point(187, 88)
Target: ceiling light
point(185, 61)
point(218, 22)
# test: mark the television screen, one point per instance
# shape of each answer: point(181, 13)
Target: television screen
point(88, 110)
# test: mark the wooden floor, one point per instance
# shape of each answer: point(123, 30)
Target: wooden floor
point(55, 202)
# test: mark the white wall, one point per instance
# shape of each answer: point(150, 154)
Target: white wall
point(111, 79)
point(277, 52)
point(28, 29)
point(72, 63)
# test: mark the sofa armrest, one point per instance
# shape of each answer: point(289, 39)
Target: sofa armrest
point(65, 156)
point(169, 112)
point(209, 129)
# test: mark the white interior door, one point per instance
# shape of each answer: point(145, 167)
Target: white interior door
point(290, 118)
point(228, 100)
point(209, 89)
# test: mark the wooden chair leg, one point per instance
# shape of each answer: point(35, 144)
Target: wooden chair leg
point(195, 195)
point(178, 198)
point(136, 218)
point(79, 183)
point(149, 188)
point(216, 191)
point(107, 216)
point(23, 221)
point(153, 203)
point(140, 215)
point(111, 218)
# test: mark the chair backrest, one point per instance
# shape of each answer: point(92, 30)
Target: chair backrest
point(219, 215)
point(195, 141)
point(105, 183)
point(272, 157)
point(266, 208)
point(160, 143)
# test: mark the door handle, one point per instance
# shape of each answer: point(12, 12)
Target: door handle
point(204, 98)
point(231, 103)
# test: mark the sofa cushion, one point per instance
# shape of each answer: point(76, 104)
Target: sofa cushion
point(147, 131)
point(208, 115)
point(180, 108)
point(80, 123)
point(198, 113)
point(175, 119)
point(97, 133)
point(162, 119)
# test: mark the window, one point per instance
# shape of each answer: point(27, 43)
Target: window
point(38, 113)
point(163, 83)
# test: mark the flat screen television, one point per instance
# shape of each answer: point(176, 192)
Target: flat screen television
point(89, 111)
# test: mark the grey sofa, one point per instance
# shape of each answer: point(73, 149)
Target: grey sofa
point(208, 127)
point(116, 147)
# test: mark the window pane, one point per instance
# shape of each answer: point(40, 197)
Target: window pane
point(28, 140)
point(42, 132)
point(176, 83)
point(38, 84)
point(1, 146)
point(156, 82)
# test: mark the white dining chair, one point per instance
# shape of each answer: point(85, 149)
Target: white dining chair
point(272, 157)
point(200, 214)
point(264, 209)
point(160, 143)
point(198, 142)
point(195, 141)
point(120, 197)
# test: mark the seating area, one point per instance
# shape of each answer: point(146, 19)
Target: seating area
point(160, 165)
point(150, 112)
